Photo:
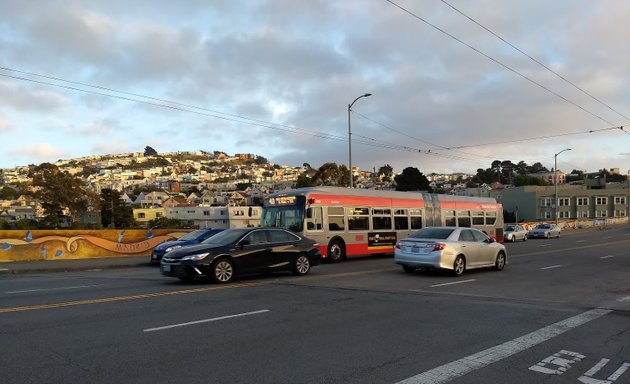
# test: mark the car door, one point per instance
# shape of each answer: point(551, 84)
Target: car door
point(252, 252)
point(283, 248)
point(469, 247)
point(487, 250)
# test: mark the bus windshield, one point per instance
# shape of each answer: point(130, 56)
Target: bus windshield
point(289, 217)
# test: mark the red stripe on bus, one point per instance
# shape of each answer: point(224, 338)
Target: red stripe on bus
point(367, 201)
point(470, 206)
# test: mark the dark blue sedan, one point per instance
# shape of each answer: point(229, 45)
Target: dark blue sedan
point(191, 238)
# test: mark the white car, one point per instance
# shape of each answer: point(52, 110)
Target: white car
point(545, 231)
point(515, 232)
point(452, 248)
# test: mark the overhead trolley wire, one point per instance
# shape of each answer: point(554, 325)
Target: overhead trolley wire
point(536, 61)
point(497, 61)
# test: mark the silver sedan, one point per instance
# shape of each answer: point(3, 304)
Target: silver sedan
point(451, 248)
point(515, 232)
point(545, 230)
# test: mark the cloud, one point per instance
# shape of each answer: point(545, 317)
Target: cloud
point(41, 152)
point(5, 125)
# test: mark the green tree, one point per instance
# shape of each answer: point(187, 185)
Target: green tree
point(114, 212)
point(411, 179)
point(60, 190)
point(331, 174)
point(148, 151)
point(522, 180)
point(386, 172)
point(165, 222)
point(303, 181)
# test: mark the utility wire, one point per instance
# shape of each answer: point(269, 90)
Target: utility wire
point(498, 62)
point(536, 61)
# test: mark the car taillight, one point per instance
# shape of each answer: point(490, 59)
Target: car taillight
point(438, 246)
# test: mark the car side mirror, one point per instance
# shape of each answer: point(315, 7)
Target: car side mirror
point(243, 243)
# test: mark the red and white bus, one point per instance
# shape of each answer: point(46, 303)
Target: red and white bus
point(350, 222)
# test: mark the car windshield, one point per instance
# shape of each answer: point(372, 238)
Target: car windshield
point(510, 228)
point(543, 226)
point(191, 235)
point(432, 233)
point(226, 237)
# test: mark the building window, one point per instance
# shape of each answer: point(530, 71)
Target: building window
point(581, 201)
point(563, 214)
point(620, 199)
point(158, 214)
point(563, 202)
point(620, 212)
point(206, 213)
point(547, 215)
point(141, 215)
point(601, 213)
point(601, 200)
point(582, 214)
point(546, 202)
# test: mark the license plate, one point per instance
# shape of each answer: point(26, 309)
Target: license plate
point(166, 268)
point(415, 250)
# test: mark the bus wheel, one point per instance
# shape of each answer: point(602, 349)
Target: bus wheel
point(336, 251)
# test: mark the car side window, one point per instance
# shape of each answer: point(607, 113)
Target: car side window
point(256, 237)
point(479, 236)
point(279, 236)
point(466, 235)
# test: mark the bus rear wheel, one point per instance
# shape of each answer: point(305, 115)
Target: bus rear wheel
point(336, 251)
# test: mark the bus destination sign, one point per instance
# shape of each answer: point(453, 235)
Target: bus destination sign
point(282, 200)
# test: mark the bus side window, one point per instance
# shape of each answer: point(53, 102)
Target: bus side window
point(314, 219)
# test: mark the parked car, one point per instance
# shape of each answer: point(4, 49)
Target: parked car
point(515, 232)
point(452, 248)
point(194, 237)
point(545, 230)
point(241, 251)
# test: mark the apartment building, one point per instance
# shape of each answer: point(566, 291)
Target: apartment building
point(575, 202)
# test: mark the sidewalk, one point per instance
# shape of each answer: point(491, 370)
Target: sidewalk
point(15, 267)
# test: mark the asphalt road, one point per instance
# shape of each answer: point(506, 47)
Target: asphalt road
point(558, 313)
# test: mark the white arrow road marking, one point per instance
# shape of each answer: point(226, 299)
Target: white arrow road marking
point(499, 352)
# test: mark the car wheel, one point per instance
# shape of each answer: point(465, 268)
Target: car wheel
point(222, 271)
point(459, 266)
point(558, 235)
point(336, 251)
point(525, 238)
point(499, 263)
point(547, 235)
point(409, 268)
point(301, 265)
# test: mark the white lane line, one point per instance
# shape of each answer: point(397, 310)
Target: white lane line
point(452, 283)
point(545, 245)
point(580, 241)
point(607, 256)
point(552, 266)
point(204, 321)
point(54, 289)
point(459, 368)
point(607, 237)
point(624, 299)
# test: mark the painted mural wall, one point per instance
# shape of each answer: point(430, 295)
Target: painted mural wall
point(25, 245)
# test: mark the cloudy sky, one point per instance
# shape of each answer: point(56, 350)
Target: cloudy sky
point(275, 78)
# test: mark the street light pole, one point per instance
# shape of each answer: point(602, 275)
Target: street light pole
point(555, 181)
point(628, 197)
point(350, 135)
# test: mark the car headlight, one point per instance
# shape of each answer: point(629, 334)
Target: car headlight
point(198, 257)
point(172, 248)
